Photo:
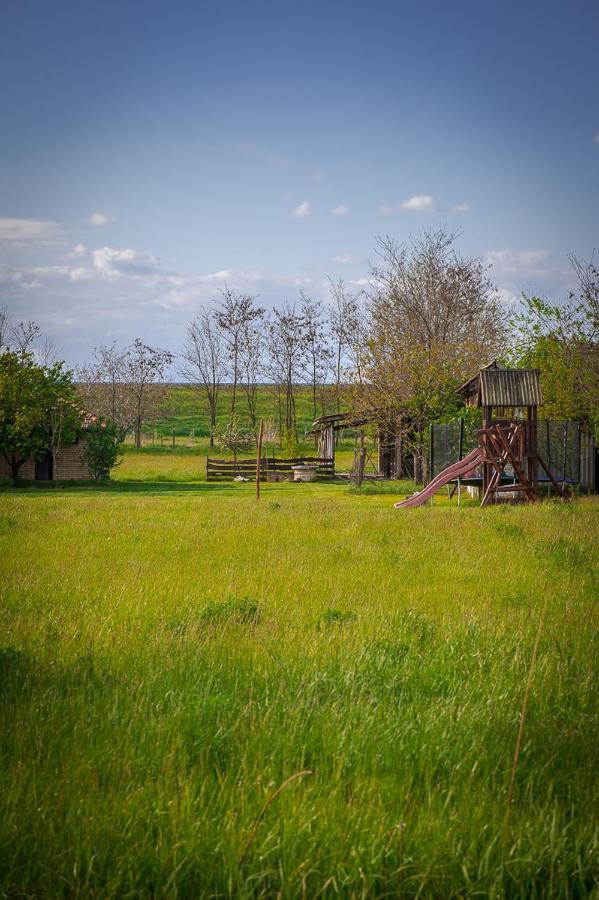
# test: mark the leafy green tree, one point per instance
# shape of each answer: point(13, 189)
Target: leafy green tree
point(563, 342)
point(33, 400)
point(102, 449)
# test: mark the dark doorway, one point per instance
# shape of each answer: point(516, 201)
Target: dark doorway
point(43, 468)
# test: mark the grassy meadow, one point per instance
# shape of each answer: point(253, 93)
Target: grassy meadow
point(185, 409)
point(314, 695)
point(187, 461)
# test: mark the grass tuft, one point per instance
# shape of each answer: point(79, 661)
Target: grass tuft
point(237, 610)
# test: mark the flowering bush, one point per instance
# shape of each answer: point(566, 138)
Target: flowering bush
point(236, 437)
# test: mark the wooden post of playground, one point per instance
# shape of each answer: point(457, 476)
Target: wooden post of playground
point(259, 458)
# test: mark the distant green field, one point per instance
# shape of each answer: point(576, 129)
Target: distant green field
point(173, 653)
point(185, 410)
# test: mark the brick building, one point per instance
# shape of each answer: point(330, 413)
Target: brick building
point(68, 465)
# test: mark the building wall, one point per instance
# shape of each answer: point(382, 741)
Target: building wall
point(68, 465)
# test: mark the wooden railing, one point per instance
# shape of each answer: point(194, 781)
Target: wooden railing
point(221, 469)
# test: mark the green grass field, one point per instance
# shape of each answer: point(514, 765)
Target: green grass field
point(172, 652)
point(187, 462)
point(185, 409)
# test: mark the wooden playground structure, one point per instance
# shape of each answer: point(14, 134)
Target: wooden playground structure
point(505, 464)
point(500, 461)
point(507, 455)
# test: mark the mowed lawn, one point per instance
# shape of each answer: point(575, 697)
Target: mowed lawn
point(172, 656)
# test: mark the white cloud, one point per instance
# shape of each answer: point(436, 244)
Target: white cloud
point(100, 218)
point(537, 272)
point(386, 210)
point(79, 249)
point(420, 203)
point(340, 210)
point(346, 259)
point(303, 210)
point(18, 232)
point(522, 262)
point(9, 275)
point(247, 146)
point(597, 138)
point(460, 207)
point(507, 297)
point(124, 292)
point(111, 262)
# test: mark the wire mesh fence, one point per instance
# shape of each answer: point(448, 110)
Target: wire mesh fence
point(568, 449)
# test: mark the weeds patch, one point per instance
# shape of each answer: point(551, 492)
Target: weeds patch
point(370, 488)
point(508, 529)
point(7, 523)
point(234, 610)
point(564, 553)
point(332, 617)
point(14, 668)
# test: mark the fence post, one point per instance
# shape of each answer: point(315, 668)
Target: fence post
point(259, 459)
point(173, 437)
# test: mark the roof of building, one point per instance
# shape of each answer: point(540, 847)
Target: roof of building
point(334, 417)
point(497, 386)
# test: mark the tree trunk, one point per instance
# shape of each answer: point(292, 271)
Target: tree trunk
point(338, 376)
point(212, 423)
point(234, 396)
point(15, 465)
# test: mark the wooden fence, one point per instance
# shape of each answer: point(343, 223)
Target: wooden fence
point(221, 469)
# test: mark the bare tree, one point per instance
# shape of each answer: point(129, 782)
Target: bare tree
point(344, 318)
point(434, 319)
point(4, 329)
point(319, 354)
point(104, 390)
point(287, 348)
point(251, 362)
point(429, 295)
point(204, 360)
point(26, 337)
point(234, 316)
point(144, 369)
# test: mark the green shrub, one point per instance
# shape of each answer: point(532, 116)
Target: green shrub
point(289, 444)
point(102, 452)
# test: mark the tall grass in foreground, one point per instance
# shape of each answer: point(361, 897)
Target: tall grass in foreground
point(168, 663)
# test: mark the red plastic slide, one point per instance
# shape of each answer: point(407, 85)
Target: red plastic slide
point(456, 470)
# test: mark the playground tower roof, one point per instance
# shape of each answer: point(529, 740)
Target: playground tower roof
point(496, 386)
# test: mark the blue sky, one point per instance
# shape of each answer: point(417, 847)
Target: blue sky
point(150, 151)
